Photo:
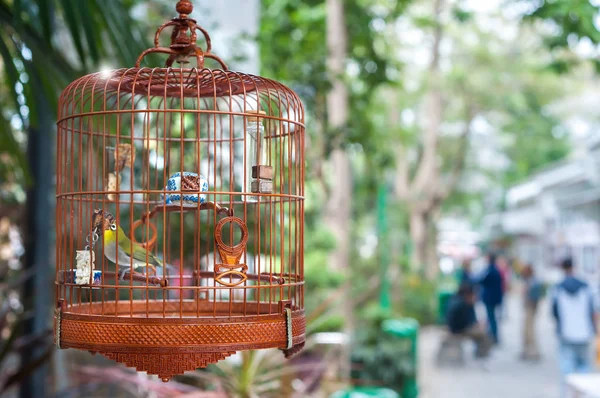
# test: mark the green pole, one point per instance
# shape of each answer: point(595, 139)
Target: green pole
point(383, 247)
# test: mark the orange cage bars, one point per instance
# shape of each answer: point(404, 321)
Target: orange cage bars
point(180, 211)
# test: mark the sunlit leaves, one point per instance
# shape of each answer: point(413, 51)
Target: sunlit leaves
point(30, 43)
point(567, 24)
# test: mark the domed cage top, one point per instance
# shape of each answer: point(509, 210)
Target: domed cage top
point(179, 211)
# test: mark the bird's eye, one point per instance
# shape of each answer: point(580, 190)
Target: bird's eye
point(113, 227)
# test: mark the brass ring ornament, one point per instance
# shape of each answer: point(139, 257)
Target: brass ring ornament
point(230, 266)
point(149, 244)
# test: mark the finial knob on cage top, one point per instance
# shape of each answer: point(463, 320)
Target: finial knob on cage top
point(184, 8)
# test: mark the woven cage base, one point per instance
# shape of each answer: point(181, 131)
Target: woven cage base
point(136, 334)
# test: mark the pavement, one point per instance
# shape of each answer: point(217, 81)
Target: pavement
point(503, 375)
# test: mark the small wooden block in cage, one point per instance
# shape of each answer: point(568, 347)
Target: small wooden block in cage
point(112, 184)
point(263, 172)
point(124, 157)
point(262, 186)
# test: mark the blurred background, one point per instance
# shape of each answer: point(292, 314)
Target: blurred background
point(438, 130)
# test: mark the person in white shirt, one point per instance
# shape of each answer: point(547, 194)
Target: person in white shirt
point(573, 308)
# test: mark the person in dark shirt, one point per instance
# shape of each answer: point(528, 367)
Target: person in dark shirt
point(492, 294)
point(461, 319)
point(465, 275)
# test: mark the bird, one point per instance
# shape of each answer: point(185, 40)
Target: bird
point(126, 254)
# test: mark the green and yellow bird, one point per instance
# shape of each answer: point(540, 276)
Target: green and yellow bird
point(119, 249)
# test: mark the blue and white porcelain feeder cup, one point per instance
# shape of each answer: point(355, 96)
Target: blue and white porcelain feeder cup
point(186, 185)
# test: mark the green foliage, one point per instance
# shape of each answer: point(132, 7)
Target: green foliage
point(538, 140)
point(570, 22)
point(39, 63)
point(316, 273)
point(507, 84)
point(575, 19)
point(418, 299)
point(318, 245)
point(332, 323)
point(293, 50)
point(461, 15)
point(318, 278)
point(380, 358)
point(293, 47)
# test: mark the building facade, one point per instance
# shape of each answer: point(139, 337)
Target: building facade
point(555, 214)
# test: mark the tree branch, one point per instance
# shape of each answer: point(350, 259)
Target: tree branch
point(427, 170)
point(460, 160)
point(401, 186)
point(444, 190)
point(461, 155)
point(316, 146)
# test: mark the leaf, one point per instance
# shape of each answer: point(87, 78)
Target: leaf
point(18, 10)
point(33, 40)
point(12, 75)
point(461, 15)
point(71, 19)
point(120, 29)
point(91, 33)
point(46, 18)
point(14, 151)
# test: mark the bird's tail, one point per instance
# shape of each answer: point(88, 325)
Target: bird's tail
point(168, 270)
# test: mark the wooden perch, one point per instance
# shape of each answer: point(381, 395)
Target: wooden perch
point(163, 208)
point(69, 277)
point(137, 277)
point(253, 277)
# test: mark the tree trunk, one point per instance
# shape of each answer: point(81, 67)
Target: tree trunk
point(427, 176)
point(422, 194)
point(418, 231)
point(339, 205)
point(431, 253)
point(424, 238)
point(37, 237)
point(338, 208)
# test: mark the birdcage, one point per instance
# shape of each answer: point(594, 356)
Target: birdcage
point(179, 218)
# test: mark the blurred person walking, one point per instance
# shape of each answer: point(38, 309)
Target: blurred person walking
point(465, 275)
point(504, 269)
point(492, 294)
point(462, 320)
point(573, 309)
point(532, 294)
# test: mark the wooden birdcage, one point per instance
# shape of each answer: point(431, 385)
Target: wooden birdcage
point(180, 211)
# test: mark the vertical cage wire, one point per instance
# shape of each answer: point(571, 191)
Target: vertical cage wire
point(162, 157)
